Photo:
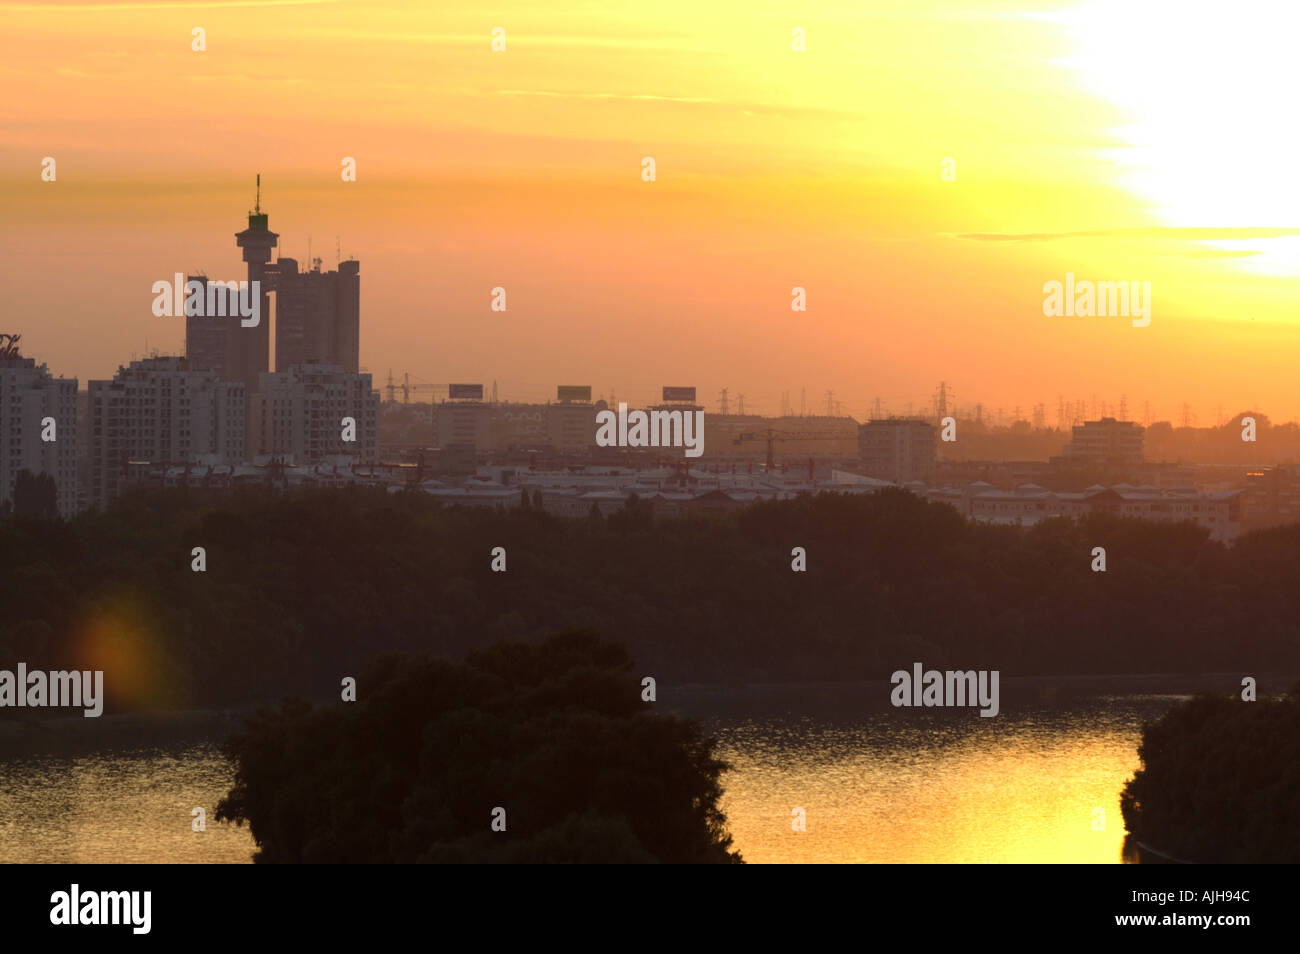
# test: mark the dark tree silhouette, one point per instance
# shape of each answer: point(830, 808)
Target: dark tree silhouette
point(301, 585)
point(635, 514)
point(1219, 782)
point(555, 734)
point(36, 496)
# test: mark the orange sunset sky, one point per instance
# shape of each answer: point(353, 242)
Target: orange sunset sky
point(1115, 140)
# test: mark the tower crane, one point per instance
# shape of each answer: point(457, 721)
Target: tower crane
point(772, 435)
point(406, 387)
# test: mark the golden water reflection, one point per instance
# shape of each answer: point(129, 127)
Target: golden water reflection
point(118, 807)
point(881, 786)
point(931, 787)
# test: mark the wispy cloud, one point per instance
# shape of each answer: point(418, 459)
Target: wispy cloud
point(1189, 234)
point(646, 40)
point(749, 108)
point(646, 96)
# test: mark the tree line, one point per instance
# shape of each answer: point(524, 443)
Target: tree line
point(303, 588)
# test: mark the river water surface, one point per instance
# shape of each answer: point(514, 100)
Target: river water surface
point(1038, 783)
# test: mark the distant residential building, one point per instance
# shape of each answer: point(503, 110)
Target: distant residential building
point(301, 411)
point(897, 449)
point(29, 395)
point(563, 426)
point(571, 425)
point(463, 422)
point(159, 411)
point(517, 425)
point(1107, 442)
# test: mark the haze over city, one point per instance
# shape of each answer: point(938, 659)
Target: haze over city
point(1073, 146)
point(833, 432)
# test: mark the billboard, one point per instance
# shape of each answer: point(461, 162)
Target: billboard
point(573, 392)
point(459, 391)
point(679, 394)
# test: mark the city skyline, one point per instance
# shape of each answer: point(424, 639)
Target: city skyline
point(629, 433)
point(1076, 410)
point(319, 320)
point(777, 168)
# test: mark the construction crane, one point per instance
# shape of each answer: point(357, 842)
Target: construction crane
point(772, 435)
point(406, 387)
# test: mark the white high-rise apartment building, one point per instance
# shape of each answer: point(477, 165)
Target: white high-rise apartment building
point(300, 412)
point(159, 411)
point(29, 398)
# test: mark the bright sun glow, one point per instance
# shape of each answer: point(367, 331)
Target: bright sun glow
point(1205, 92)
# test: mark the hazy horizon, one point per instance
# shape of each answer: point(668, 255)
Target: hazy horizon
point(1082, 145)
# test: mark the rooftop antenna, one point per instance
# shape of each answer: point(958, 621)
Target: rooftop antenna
point(338, 251)
point(257, 210)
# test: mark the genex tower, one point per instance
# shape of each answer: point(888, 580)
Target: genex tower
point(252, 354)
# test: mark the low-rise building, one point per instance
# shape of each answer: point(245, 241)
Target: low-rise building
point(1107, 442)
point(1219, 512)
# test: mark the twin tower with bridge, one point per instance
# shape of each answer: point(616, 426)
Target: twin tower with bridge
point(317, 314)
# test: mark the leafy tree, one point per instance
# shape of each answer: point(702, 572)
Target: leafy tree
point(1219, 782)
point(556, 734)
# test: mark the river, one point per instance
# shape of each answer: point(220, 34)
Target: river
point(876, 784)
